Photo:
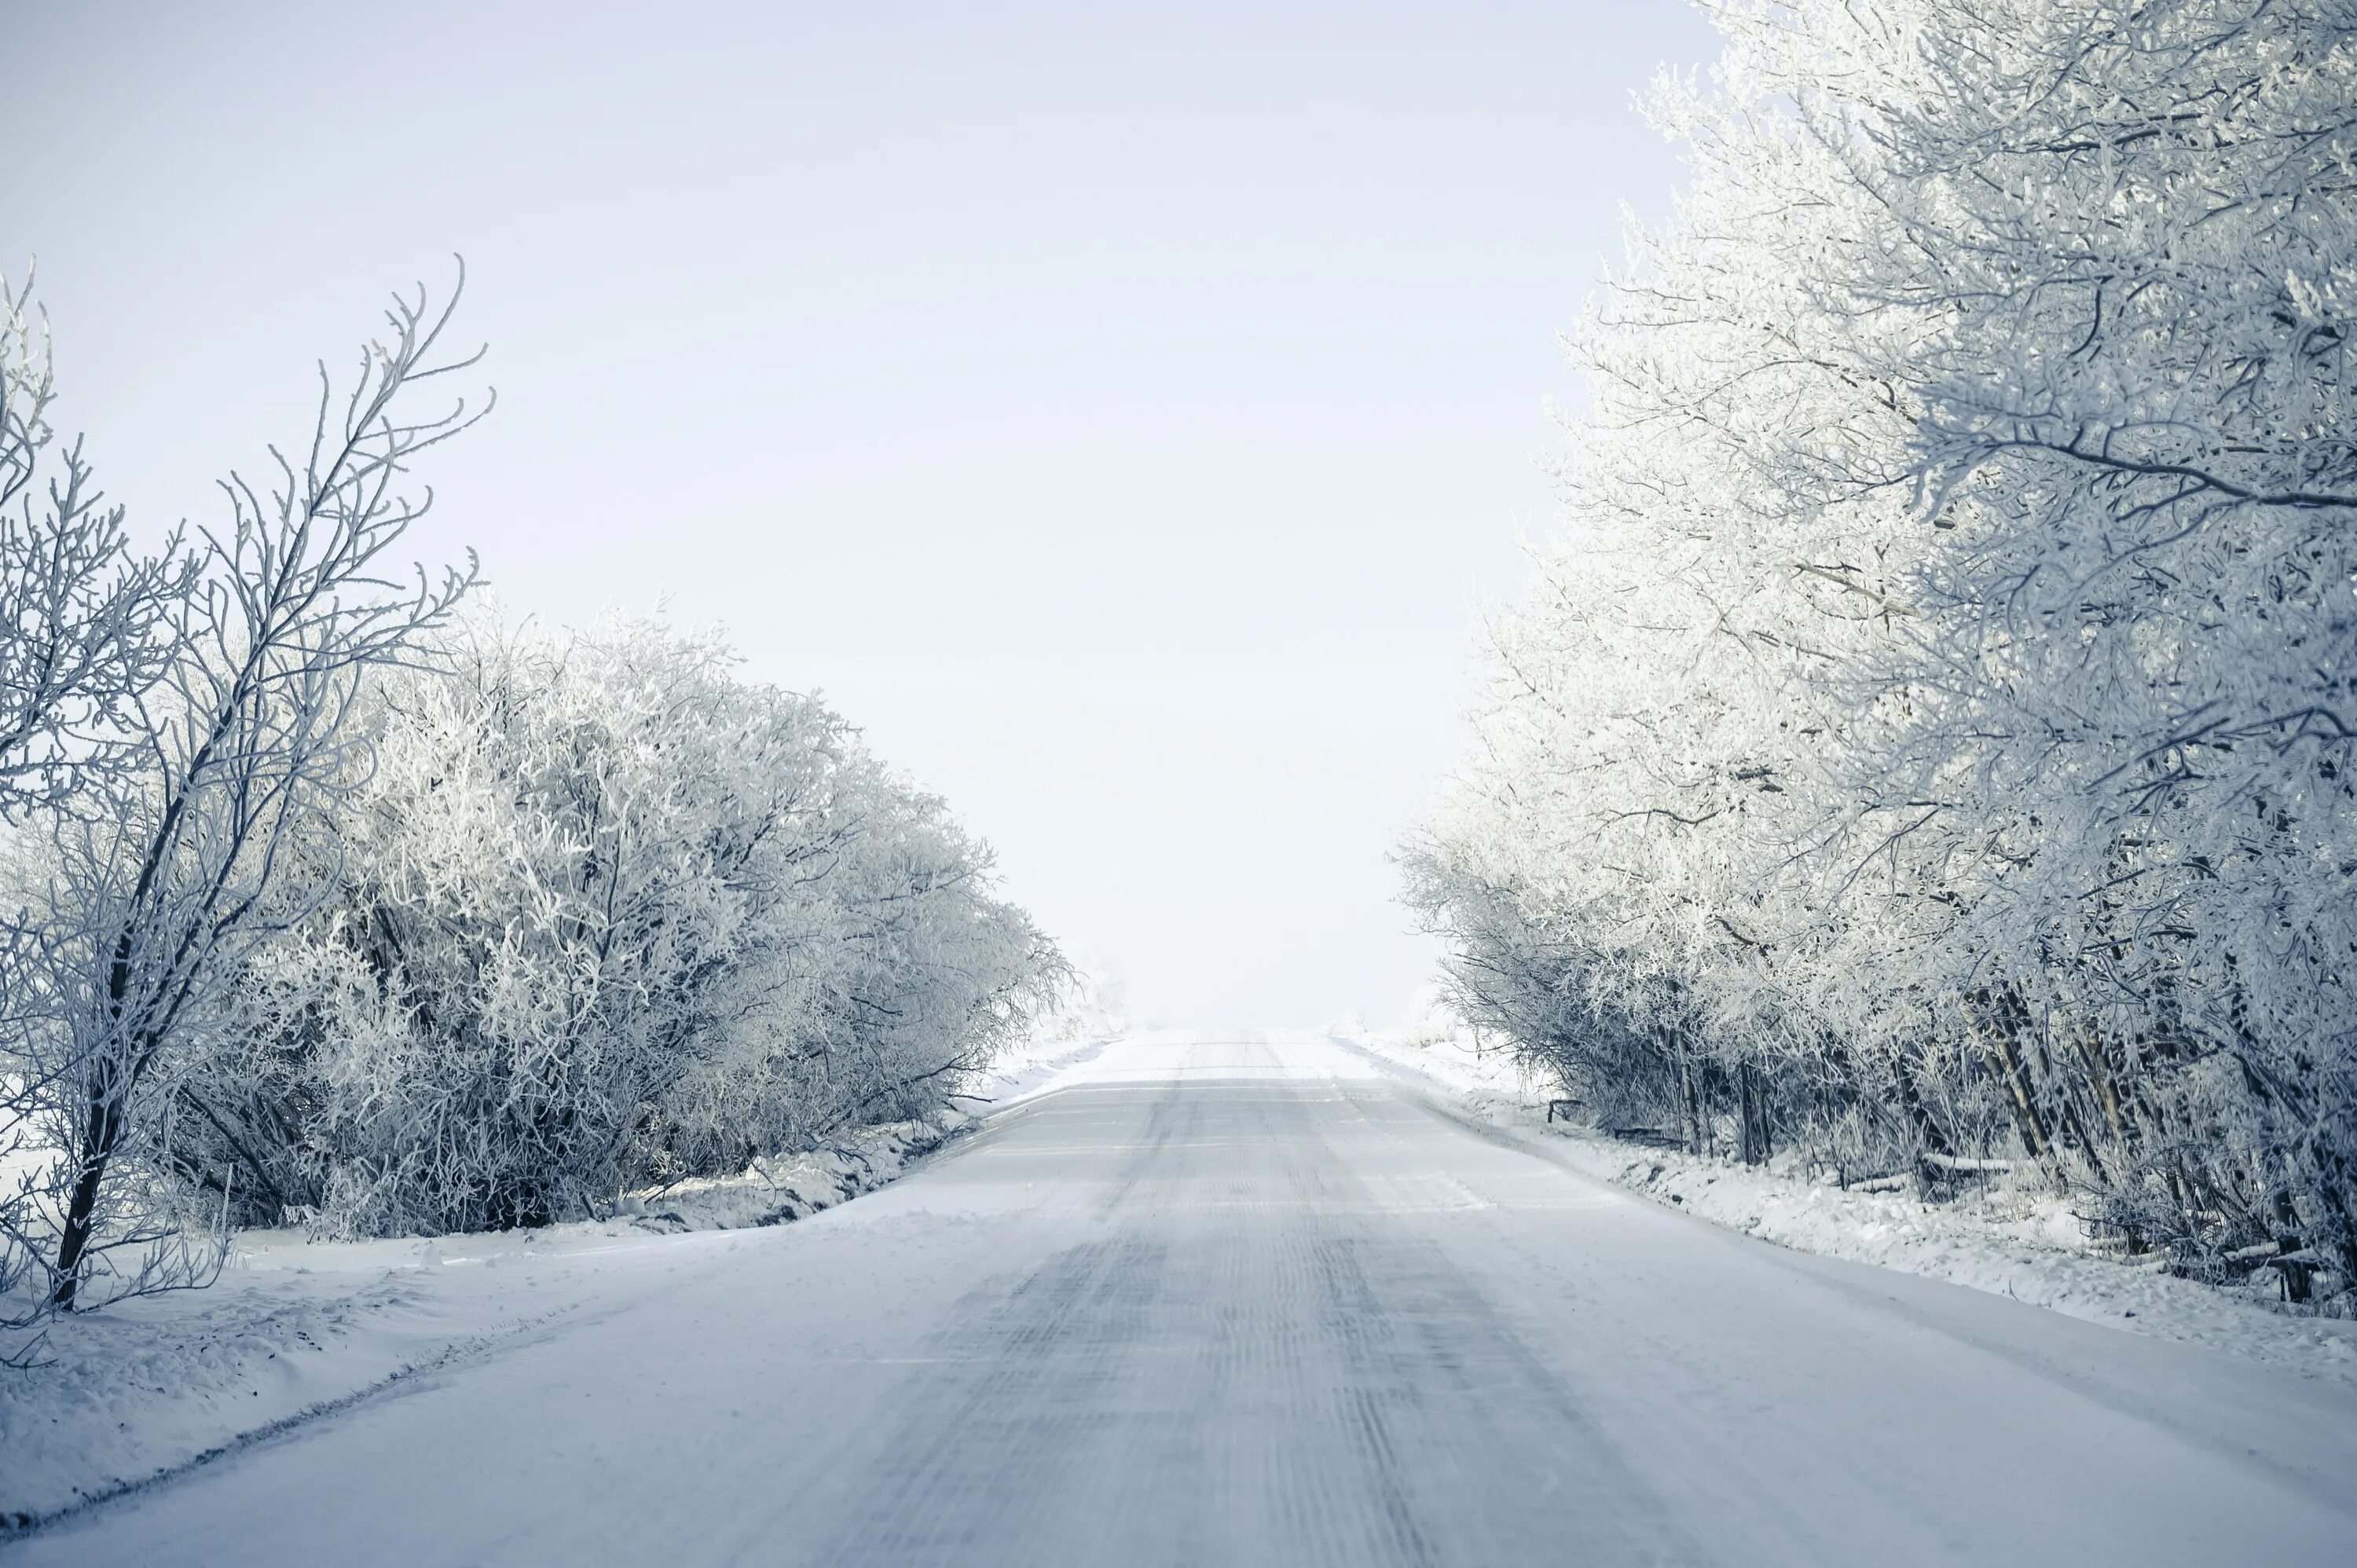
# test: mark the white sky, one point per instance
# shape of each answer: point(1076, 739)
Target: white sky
point(1118, 412)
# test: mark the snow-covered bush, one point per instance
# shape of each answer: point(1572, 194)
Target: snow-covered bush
point(1930, 734)
point(602, 913)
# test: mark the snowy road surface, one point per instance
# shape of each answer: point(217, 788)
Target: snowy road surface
point(1254, 1302)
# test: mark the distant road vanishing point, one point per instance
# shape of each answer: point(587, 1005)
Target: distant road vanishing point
point(1228, 1301)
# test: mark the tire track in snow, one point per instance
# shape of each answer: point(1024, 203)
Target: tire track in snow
point(960, 1476)
point(1304, 1375)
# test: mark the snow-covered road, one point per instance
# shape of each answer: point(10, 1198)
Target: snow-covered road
point(1219, 1302)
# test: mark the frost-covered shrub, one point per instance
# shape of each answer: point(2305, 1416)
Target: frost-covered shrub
point(918, 974)
point(603, 913)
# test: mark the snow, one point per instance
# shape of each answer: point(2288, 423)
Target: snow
point(1232, 1299)
point(295, 1327)
point(2016, 1242)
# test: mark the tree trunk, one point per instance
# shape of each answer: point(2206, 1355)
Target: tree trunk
point(1995, 1038)
point(1751, 1134)
point(102, 1132)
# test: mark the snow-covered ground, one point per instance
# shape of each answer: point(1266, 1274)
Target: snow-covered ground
point(2026, 1244)
point(295, 1327)
point(1258, 1300)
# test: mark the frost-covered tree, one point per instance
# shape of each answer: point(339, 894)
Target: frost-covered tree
point(80, 617)
point(2131, 676)
point(80, 611)
point(171, 870)
point(1930, 727)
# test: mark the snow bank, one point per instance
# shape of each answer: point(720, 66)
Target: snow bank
point(295, 1328)
point(2009, 1241)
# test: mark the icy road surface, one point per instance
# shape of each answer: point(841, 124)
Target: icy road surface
point(1222, 1301)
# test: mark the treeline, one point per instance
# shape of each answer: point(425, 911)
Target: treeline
point(335, 902)
point(1928, 742)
